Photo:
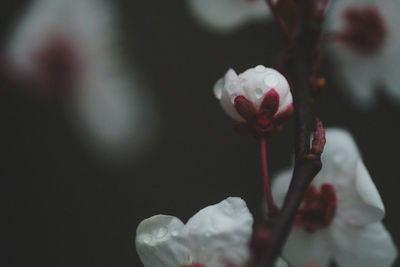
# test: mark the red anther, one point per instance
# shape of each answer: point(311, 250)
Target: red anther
point(365, 28)
point(319, 139)
point(318, 208)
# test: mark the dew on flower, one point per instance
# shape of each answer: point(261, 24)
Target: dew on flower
point(260, 68)
point(271, 80)
point(162, 232)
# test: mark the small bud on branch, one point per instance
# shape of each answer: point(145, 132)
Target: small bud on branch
point(319, 140)
point(301, 65)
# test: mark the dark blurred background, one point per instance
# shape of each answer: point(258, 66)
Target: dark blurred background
point(65, 207)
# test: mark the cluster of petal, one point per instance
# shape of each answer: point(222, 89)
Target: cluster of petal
point(228, 15)
point(363, 73)
point(72, 44)
point(259, 99)
point(356, 236)
point(214, 237)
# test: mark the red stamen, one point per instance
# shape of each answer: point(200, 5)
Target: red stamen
point(318, 208)
point(365, 29)
point(272, 208)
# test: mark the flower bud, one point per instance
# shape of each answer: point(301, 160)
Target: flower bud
point(259, 99)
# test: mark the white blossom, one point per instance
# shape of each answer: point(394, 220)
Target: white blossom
point(363, 69)
point(228, 15)
point(216, 235)
point(254, 84)
point(340, 218)
point(105, 100)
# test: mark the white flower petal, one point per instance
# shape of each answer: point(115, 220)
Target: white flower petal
point(227, 15)
point(303, 248)
point(221, 233)
point(111, 114)
point(281, 263)
point(280, 186)
point(258, 81)
point(372, 203)
point(390, 78)
point(339, 159)
point(359, 202)
point(390, 56)
point(232, 88)
point(356, 76)
point(107, 103)
point(253, 84)
point(368, 246)
point(162, 241)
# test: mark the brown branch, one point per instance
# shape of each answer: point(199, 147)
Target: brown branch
point(300, 56)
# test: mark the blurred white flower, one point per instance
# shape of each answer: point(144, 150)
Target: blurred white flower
point(69, 47)
point(228, 15)
point(366, 48)
point(215, 236)
point(340, 217)
point(281, 263)
point(259, 99)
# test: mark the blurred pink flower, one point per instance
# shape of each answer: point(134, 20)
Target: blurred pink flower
point(366, 48)
point(68, 48)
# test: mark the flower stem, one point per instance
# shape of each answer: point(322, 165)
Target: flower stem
point(272, 208)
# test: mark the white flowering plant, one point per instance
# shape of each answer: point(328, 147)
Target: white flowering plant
point(325, 209)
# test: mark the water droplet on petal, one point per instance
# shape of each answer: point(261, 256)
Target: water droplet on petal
point(271, 80)
point(147, 239)
point(174, 233)
point(259, 93)
point(259, 68)
point(162, 232)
